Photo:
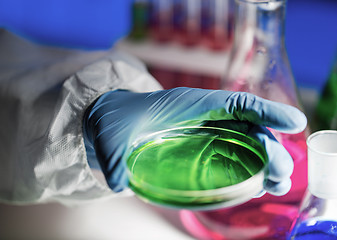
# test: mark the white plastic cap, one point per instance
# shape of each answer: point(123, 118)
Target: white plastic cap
point(322, 164)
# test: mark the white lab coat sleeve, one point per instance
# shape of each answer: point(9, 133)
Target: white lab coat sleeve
point(63, 166)
point(42, 152)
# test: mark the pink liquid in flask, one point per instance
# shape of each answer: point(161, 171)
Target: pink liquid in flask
point(268, 217)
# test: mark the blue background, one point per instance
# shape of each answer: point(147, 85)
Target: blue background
point(311, 40)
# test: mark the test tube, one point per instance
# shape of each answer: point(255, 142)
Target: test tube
point(188, 22)
point(217, 23)
point(161, 23)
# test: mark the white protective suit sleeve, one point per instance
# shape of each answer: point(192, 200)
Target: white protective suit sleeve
point(44, 93)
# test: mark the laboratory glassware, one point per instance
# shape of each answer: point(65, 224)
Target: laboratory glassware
point(259, 65)
point(161, 20)
point(326, 110)
point(197, 168)
point(318, 212)
point(187, 22)
point(217, 24)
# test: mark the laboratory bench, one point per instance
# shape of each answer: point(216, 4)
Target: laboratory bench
point(124, 218)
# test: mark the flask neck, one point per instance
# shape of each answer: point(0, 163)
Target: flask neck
point(259, 63)
point(260, 23)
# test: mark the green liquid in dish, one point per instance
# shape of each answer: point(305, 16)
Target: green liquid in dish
point(190, 163)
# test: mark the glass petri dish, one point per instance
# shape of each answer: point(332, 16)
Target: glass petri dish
point(196, 168)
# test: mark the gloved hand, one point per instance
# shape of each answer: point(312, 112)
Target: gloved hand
point(116, 117)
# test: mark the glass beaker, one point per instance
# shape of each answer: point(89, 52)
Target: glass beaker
point(197, 168)
point(318, 212)
point(259, 65)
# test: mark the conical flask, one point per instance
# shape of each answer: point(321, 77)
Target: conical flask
point(318, 212)
point(259, 65)
point(326, 110)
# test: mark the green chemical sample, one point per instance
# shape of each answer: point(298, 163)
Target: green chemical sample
point(176, 170)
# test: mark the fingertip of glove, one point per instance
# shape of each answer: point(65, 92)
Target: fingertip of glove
point(299, 121)
point(281, 164)
point(278, 188)
point(291, 119)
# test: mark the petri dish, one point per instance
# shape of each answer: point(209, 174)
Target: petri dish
point(196, 168)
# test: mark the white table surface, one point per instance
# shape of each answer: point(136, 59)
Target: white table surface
point(119, 218)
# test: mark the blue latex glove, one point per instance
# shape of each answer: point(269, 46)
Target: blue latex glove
point(117, 116)
point(68, 23)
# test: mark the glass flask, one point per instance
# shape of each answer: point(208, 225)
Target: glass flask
point(326, 110)
point(259, 64)
point(318, 211)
